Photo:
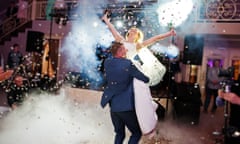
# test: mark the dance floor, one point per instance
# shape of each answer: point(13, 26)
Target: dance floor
point(74, 116)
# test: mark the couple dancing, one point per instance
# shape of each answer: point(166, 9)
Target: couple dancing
point(131, 101)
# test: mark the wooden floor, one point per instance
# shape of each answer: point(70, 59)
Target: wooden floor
point(174, 131)
point(170, 130)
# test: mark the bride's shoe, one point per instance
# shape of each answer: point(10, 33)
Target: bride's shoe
point(152, 134)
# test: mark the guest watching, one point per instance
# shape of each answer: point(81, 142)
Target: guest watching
point(15, 57)
point(213, 84)
point(16, 92)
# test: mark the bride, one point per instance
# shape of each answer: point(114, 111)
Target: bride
point(149, 65)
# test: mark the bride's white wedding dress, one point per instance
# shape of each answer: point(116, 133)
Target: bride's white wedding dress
point(144, 104)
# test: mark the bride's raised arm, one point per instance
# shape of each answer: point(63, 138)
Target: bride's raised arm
point(159, 37)
point(111, 27)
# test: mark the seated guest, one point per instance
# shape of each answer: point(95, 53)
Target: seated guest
point(5, 75)
point(17, 92)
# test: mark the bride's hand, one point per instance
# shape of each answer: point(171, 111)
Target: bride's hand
point(173, 32)
point(105, 16)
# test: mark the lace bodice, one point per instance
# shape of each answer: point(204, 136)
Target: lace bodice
point(132, 50)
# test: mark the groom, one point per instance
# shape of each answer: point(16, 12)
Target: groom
point(118, 93)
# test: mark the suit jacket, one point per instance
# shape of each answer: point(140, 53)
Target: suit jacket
point(118, 92)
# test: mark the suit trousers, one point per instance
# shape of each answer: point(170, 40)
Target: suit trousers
point(209, 93)
point(128, 119)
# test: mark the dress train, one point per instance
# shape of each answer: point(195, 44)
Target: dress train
point(145, 107)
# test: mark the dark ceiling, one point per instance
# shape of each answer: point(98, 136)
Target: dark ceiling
point(4, 4)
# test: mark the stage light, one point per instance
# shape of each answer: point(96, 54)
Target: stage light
point(172, 51)
point(62, 20)
point(59, 4)
point(95, 24)
point(119, 24)
point(135, 23)
point(158, 49)
point(60, 12)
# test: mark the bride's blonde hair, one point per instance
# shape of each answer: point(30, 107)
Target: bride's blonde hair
point(139, 38)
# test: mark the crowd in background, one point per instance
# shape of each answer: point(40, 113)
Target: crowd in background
point(21, 74)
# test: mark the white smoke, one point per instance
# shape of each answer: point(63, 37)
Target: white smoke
point(174, 12)
point(68, 118)
point(50, 119)
point(86, 33)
